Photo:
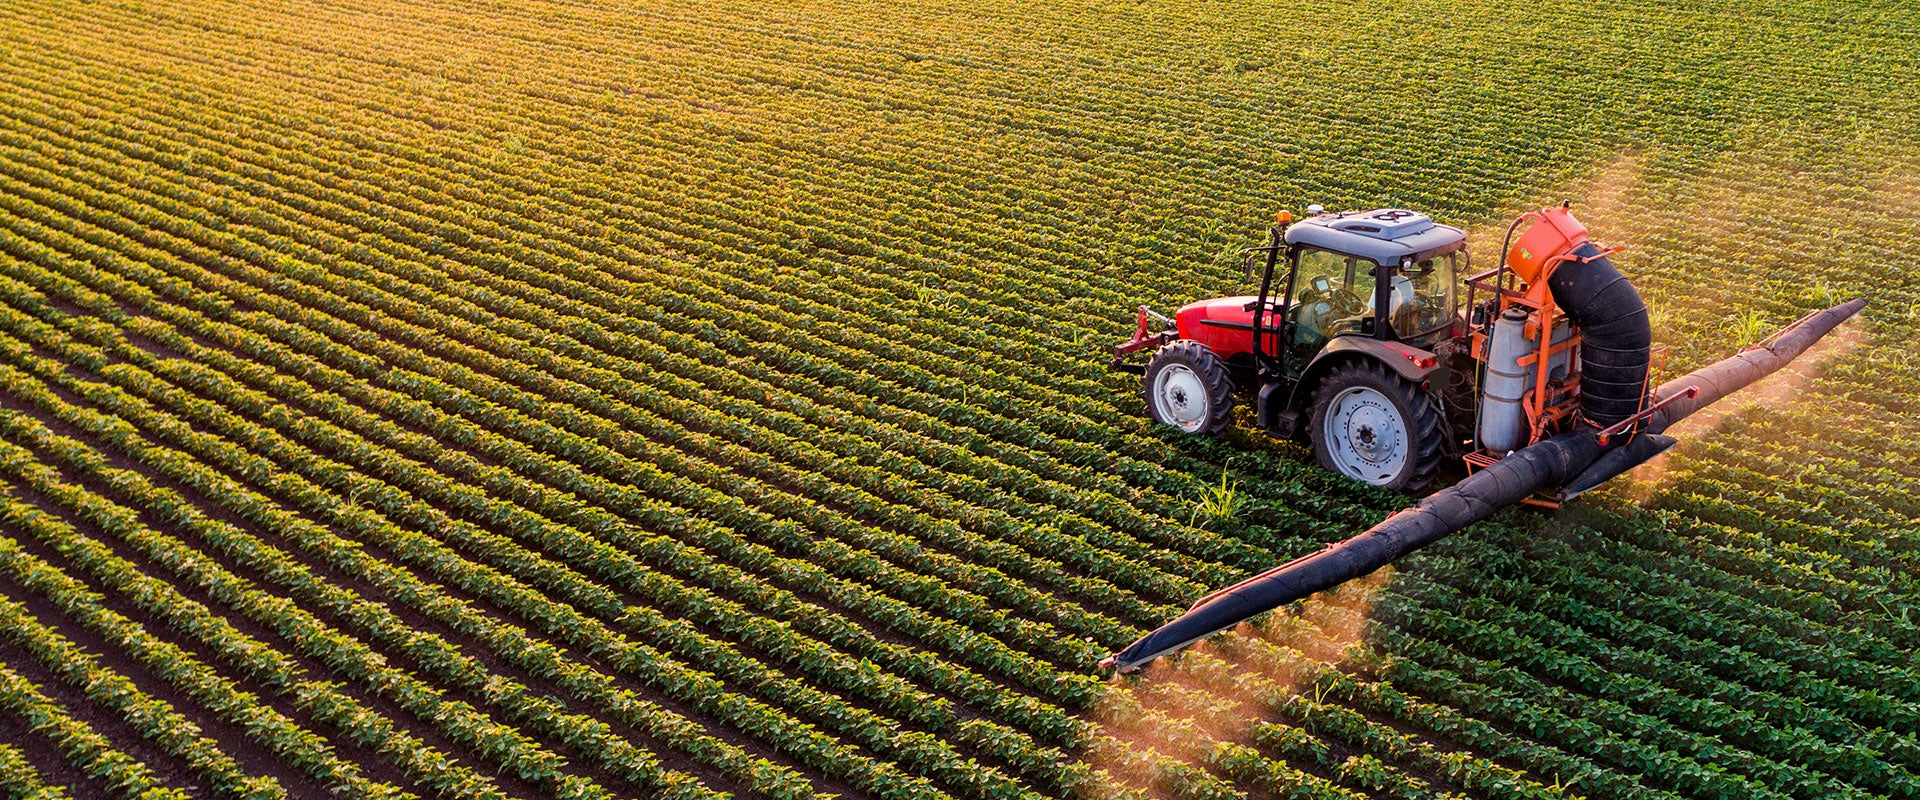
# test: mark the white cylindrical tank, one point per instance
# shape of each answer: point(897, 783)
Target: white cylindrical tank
point(1503, 423)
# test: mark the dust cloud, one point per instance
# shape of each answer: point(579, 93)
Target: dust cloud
point(1601, 203)
point(1778, 390)
point(1179, 708)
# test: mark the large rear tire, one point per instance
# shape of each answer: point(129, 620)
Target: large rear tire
point(1376, 427)
point(1187, 386)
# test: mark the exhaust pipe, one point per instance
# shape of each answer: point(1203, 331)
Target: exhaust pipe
point(1574, 460)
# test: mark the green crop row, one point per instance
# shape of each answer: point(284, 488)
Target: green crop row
point(375, 497)
point(155, 719)
point(628, 474)
point(637, 660)
point(93, 754)
point(509, 226)
point(21, 780)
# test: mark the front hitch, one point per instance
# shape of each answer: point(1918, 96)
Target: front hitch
point(1143, 336)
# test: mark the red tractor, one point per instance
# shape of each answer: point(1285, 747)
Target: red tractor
point(1357, 343)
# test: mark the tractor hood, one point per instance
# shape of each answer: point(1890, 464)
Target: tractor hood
point(1223, 324)
point(1235, 312)
point(1384, 235)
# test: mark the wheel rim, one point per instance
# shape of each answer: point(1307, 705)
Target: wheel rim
point(1366, 435)
point(1180, 398)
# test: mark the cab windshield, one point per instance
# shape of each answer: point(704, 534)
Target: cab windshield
point(1421, 298)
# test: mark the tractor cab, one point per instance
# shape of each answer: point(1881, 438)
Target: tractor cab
point(1386, 274)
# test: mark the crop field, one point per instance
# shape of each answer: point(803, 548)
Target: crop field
point(526, 399)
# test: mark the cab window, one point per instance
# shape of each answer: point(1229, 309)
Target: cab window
point(1420, 299)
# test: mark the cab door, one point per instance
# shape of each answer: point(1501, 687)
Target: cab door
point(1332, 295)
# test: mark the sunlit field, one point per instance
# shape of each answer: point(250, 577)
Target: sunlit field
point(584, 399)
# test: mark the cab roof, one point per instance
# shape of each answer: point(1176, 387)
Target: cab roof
point(1384, 235)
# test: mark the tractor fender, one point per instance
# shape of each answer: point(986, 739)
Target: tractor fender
point(1405, 360)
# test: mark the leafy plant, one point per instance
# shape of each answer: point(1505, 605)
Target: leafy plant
point(1218, 504)
point(1749, 326)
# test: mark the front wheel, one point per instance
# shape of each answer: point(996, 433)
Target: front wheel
point(1186, 386)
point(1376, 427)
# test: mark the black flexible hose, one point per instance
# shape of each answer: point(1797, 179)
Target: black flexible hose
point(1616, 336)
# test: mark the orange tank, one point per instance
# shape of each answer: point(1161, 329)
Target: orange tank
point(1554, 233)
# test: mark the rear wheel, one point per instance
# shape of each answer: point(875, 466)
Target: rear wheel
point(1186, 386)
point(1377, 427)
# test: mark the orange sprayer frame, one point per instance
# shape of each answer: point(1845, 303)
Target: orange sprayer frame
point(1521, 282)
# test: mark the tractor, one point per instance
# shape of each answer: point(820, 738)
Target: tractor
point(1358, 345)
